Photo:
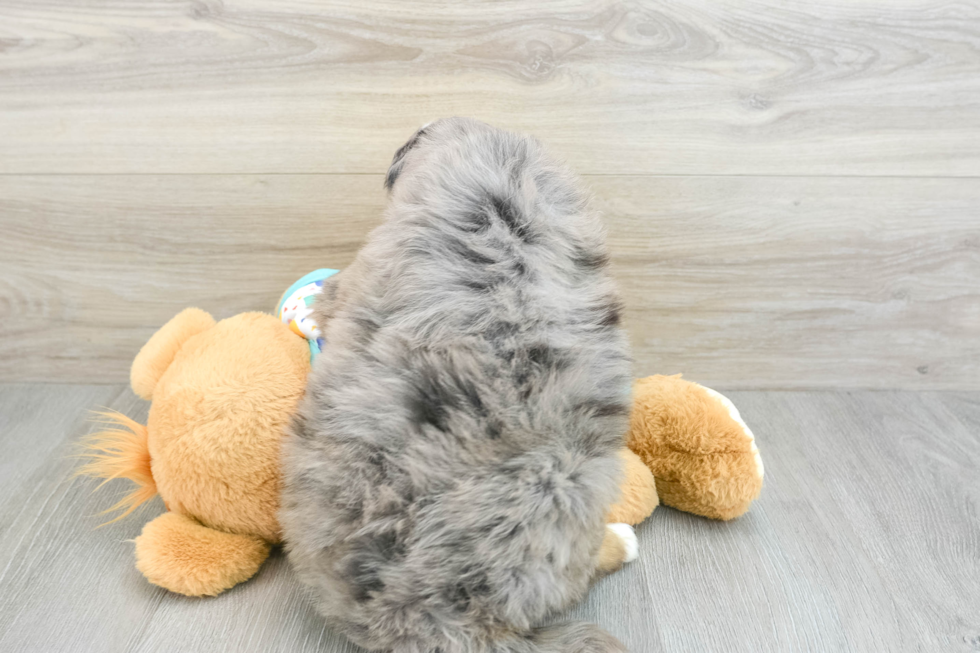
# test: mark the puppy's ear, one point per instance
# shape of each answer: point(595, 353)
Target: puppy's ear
point(398, 161)
point(394, 170)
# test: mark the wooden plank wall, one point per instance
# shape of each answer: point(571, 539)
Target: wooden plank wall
point(792, 189)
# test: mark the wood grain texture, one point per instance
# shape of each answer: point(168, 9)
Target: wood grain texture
point(106, 261)
point(739, 282)
point(794, 283)
point(866, 538)
point(693, 87)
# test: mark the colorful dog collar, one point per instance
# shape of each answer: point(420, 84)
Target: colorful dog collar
point(295, 307)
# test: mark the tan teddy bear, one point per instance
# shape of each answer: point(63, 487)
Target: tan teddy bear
point(222, 394)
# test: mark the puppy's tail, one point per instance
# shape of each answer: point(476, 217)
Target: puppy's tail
point(576, 637)
point(120, 452)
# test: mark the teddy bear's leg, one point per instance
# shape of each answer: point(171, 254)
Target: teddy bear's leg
point(638, 493)
point(179, 554)
point(703, 456)
point(735, 415)
point(618, 546)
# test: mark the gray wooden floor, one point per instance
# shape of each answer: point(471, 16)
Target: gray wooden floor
point(866, 538)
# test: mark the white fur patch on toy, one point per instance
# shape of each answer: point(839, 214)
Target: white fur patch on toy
point(627, 535)
point(733, 412)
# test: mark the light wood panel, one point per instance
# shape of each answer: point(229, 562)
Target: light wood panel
point(741, 282)
point(695, 87)
point(792, 283)
point(90, 267)
point(866, 538)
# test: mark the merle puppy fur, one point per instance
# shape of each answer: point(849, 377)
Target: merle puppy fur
point(447, 475)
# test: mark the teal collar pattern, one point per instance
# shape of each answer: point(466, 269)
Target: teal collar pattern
point(295, 307)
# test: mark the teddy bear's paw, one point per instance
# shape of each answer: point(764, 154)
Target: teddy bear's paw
point(627, 536)
point(733, 412)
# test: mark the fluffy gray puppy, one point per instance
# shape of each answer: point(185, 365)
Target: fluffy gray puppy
point(448, 473)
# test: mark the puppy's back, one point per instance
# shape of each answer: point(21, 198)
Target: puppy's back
point(449, 469)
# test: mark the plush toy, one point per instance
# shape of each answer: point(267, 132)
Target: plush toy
point(223, 392)
point(221, 396)
point(702, 457)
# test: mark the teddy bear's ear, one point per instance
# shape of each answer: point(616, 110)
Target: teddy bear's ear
point(159, 351)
